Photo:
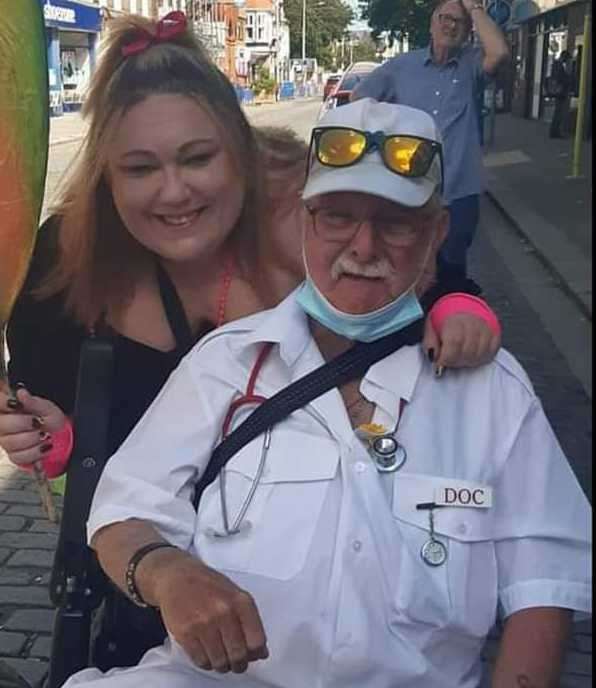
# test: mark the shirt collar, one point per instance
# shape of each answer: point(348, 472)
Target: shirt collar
point(454, 59)
point(394, 378)
point(286, 325)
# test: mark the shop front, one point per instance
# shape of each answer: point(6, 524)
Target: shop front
point(536, 42)
point(71, 33)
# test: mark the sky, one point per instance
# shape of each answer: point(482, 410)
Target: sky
point(357, 25)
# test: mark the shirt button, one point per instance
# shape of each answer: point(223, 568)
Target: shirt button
point(435, 112)
point(356, 545)
point(437, 93)
point(455, 81)
point(359, 466)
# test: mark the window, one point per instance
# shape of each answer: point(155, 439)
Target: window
point(260, 27)
point(250, 26)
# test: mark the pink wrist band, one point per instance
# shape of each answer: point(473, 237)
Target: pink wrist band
point(54, 463)
point(458, 302)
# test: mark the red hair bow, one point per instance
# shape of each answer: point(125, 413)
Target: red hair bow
point(172, 25)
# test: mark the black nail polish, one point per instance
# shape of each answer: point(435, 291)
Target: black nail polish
point(14, 404)
point(20, 385)
point(431, 355)
point(37, 422)
point(439, 371)
point(45, 448)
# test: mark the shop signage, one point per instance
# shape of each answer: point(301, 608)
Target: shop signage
point(67, 14)
point(500, 12)
point(522, 10)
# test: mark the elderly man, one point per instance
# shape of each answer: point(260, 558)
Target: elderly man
point(316, 559)
point(447, 81)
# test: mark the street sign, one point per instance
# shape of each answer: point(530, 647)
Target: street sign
point(500, 12)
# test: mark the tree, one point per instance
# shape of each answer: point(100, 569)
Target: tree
point(401, 18)
point(365, 50)
point(326, 21)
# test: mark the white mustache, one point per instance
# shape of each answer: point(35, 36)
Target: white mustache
point(345, 265)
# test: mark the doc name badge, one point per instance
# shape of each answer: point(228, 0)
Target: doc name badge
point(463, 493)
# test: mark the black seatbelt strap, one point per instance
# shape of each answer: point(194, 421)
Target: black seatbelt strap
point(348, 366)
point(89, 455)
point(77, 583)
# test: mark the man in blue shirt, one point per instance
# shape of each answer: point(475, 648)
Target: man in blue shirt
point(446, 80)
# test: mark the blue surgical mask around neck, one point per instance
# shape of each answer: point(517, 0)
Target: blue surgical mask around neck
point(362, 327)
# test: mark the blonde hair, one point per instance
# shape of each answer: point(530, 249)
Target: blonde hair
point(99, 260)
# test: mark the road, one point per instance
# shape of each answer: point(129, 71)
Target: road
point(542, 328)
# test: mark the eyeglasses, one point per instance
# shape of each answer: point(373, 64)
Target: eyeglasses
point(333, 224)
point(408, 156)
point(450, 20)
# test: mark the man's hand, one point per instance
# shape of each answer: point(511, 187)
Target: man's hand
point(216, 622)
point(469, 4)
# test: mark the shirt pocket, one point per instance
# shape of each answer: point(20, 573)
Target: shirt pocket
point(279, 525)
point(462, 592)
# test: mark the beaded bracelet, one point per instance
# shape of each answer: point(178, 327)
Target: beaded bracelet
point(459, 302)
point(131, 569)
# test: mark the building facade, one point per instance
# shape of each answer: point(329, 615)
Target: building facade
point(241, 36)
point(538, 31)
point(268, 38)
point(72, 29)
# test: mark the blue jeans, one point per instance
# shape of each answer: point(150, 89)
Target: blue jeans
point(463, 221)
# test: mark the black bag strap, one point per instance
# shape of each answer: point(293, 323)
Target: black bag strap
point(174, 310)
point(89, 455)
point(350, 365)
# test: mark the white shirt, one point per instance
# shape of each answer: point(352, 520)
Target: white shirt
point(332, 554)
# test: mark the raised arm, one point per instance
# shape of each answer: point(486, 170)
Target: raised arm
point(532, 649)
point(491, 37)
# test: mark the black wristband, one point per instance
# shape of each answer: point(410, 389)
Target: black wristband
point(131, 568)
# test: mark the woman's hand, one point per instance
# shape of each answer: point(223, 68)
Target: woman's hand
point(26, 424)
point(465, 341)
point(215, 621)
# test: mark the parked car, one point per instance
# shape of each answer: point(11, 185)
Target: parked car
point(330, 85)
point(342, 92)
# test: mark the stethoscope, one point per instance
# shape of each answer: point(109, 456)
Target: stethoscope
point(249, 398)
point(387, 453)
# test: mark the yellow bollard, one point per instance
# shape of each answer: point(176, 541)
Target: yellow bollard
point(583, 87)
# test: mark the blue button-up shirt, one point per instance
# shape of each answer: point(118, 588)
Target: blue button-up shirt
point(451, 94)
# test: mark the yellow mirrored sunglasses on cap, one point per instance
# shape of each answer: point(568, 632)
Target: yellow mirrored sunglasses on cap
point(408, 156)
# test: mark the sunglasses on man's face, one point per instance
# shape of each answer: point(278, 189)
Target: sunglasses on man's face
point(408, 156)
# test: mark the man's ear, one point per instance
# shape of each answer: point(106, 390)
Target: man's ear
point(442, 227)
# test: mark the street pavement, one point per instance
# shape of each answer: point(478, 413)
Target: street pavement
point(544, 325)
point(530, 179)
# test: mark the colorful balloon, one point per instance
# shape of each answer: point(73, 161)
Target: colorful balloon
point(24, 135)
point(24, 140)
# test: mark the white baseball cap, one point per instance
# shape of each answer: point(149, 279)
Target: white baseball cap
point(370, 175)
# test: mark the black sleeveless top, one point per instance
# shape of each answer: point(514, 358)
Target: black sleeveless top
point(45, 345)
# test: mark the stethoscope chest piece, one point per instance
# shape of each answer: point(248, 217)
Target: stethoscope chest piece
point(387, 453)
